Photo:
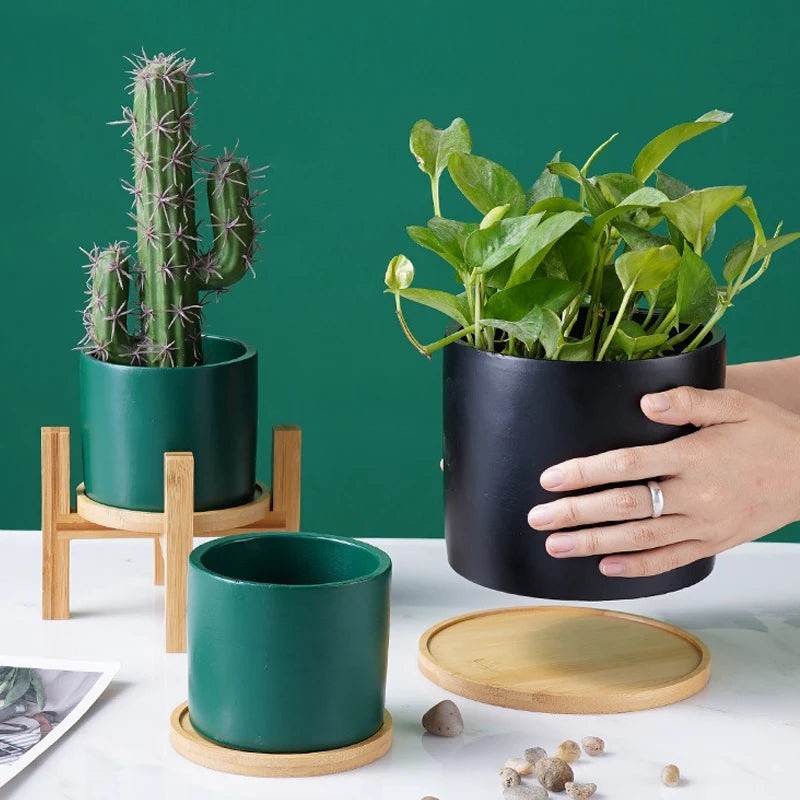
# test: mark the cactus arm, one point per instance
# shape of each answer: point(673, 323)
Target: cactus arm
point(165, 222)
point(105, 317)
point(231, 223)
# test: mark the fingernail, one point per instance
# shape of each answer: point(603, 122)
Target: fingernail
point(551, 478)
point(540, 515)
point(658, 402)
point(612, 568)
point(561, 543)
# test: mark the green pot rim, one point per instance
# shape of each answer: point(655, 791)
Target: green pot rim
point(249, 352)
point(384, 562)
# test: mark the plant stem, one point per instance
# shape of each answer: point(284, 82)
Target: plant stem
point(617, 320)
point(453, 337)
point(704, 331)
point(680, 337)
point(667, 320)
point(437, 211)
point(406, 330)
point(650, 311)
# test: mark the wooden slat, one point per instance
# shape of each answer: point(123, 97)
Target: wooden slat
point(55, 502)
point(176, 543)
point(286, 470)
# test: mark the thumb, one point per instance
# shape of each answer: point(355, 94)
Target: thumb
point(699, 407)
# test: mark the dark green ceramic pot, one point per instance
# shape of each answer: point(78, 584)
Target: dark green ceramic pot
point(287, 641)
point(131, 416)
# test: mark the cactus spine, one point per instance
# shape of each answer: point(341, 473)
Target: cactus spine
point(171, 273)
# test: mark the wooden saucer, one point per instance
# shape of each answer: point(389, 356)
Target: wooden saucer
point(564, 660)
point(191, 745)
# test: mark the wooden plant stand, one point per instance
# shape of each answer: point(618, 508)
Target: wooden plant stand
point(172, 530)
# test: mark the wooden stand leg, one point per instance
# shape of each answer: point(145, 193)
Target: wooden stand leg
point(55, 501)
point(286, 446)
point(158, 563)
point(176, 544)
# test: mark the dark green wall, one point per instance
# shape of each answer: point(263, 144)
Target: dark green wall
point(326, 94)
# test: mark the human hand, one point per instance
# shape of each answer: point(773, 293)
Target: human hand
point(732, 481)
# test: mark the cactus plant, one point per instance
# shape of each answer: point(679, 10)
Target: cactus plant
point(165, 289)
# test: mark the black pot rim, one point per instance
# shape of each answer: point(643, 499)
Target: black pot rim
point(249, 352)
point(717, 336)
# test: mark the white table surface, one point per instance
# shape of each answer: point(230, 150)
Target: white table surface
point(738, 738)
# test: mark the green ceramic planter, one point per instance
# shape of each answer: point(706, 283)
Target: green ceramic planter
point(287, 641)
point(131, 416)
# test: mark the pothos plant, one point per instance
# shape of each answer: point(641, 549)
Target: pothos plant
point(617, 271)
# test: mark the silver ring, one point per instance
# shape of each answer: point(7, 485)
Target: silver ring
point(657, 496)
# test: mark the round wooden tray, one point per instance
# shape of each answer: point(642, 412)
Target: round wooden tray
point(564, 660)
point(191, 745)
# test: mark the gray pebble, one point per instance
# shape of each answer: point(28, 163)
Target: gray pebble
point(509, 777)
point(443, 719)
point(523, 792)
point(533, 754)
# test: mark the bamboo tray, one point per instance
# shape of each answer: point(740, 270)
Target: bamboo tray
point(188, 742)
point(564, 660)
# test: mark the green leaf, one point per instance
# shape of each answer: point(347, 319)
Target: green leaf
point(611, 291)
point(695, 213)
point(738, 255)
point(631, 339)
point(638, 238)
point(445, 237)
point(556, 204)
point(747, 205)
point(572, 255)
point(665, 296)
point(565, 169)
point(672, 187)
point(546, 186)
point(454, 306)
point(515, 303)
point(540, 239)
point(580, 350)
point(658, 149)
point(399, 273)
point(485, 249)
point(646, 197)
point(595, 202)
point(486, 184)
point(433, 147)
point(18, 687)
point(589, 161)
point(616, 185)
point(696, 296)
point(646, 269)
point(494, 216)
point(737, 260)
point(539, 325)
point(38, 690)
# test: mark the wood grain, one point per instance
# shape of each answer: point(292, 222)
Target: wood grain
point(55, 502)
point(567, 660)
point(286, 448)
point(191, 745)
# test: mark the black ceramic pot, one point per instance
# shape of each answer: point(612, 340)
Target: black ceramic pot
point(131, 416)
point(506, 419)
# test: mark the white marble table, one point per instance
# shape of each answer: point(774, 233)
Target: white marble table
point(738, 738)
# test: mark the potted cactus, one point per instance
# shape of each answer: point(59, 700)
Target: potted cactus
point(571, 309)
point(150, 380)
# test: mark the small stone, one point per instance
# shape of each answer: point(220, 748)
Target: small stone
point(443, 719)
point(593, 745)
point(523, 792)
point(521, 765)
point(533, 754)
point(670, 775)
point(553, 773)
point(509, 777)
point(430, 797)
point(569, 751)
point(580, 791)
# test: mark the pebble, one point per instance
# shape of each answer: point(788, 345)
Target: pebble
point(569, 751)
point(430, 797)
point(580, 791)
point(521, 765)
point(509, 777)
point(553, 773)
point(523, 792)
point(533, 754)
point(593, 745)
point(670, 775)
point(443, 719)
